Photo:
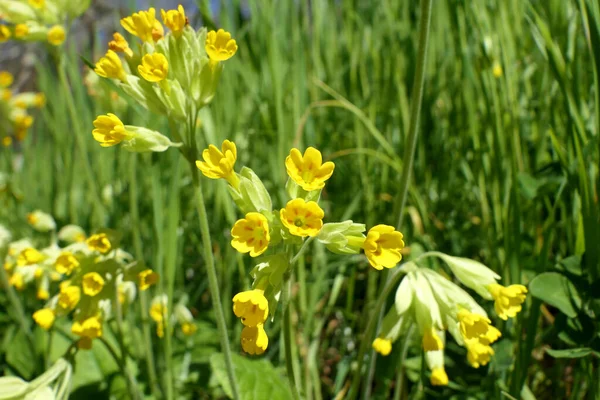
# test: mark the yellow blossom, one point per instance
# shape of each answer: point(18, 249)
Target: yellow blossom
point(472, 326)
point(188, 328)
point(251, 306)
point(491, 335)
point(29, 256)
point(42, 294)
point(302, 218)
point(154, 67)
point(175, 20)
point(382, 246)
point(219, 163)
point(109, 131)
point(6, 94)
point(6, 141)
point(431, 341)
point(69, 297)
point(90, 328)
point(120, 45)
point(4, 33)
point(110, 66)
point(478, 353)
point(439, 377)
point(254, 339)
point(251, 234)
point(6, 78)
point(56, 35)
point(507, 300)
point(158, 312)
point(37, 3)
point(144, 25)
point(99, 242)
point(220, 46)
point(308, 170)
point(382, 346)
point(92, 283)
point(147, 278)
point(39, 100)
point(23, 121)
point(65, 263)
point(17, 281)
point(497, 69)
point(21, 30)
point(44, 318)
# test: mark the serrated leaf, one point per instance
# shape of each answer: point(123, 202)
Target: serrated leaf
point(558, 291)
point(571, 353)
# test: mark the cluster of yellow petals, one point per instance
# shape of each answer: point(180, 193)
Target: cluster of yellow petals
point(251, 234)
point(21, 30)
point(44, 318)
point(69, 297)
point(308, 170)
point(439, 377)
point(109, 130)
point(88, 329)
point(383, 246)
point(251, 306)
point(220, 46)
point(154, 67)
point(5, 33)
point(219, 164)
point(382, 346)
point(302, 218)
point(99, 242)
point(120, 45)
point(507, 299)
point(431, 341)
point(65, 263)
point(147, 278)
point(478, 335)
point(6, 79)
point(144, 25)
point(92, 283)
point(110, 66)
point(175, 20)
point(254, 339)
point(39, 4)
point(29, 256)
point(158, 312)
point(56, 35)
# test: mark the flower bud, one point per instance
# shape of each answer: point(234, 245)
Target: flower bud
point(144, 140)
point(40, 221)
point(342, 237)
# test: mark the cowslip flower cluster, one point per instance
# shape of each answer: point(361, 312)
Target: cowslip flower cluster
point(274, 236)
point(15, 120)
point(182, 316)
point(436, 305)
point(174, 74)
point(38, 20)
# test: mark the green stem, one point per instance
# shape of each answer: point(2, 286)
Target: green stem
point(129, 378)
point(123, 367)
point(287, 339)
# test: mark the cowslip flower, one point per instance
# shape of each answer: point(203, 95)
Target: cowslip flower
point(308, 170)
point(69, 297)
point(29, 256)
point(144, 25)
point(254, 339)
point(71, 234)
point(110, 66)
point(44, 318)
point(478, 353)
point(507, 300)
point(220, 46)
point(99, 242)
point(185, 319)
point(39, 4)
point(65, 263)
point(21, 30)
point(302, 218)
point(472, 325)
point(251, 234)
point(154, 67)
point(56, 35)
point(87, 329)
point(382, 346)
point(158, 312)
point(435, 362)
point(251, 306)
point(175, 20)
point(92, 283)
point(109, 131)
point(219, 164)
point(147, 278)
point(382, 246)
point(120, 45)
point(6, 78)
point(5, 33)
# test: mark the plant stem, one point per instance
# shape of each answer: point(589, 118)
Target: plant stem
point(123, 367)
point(129, 378)
point(287, 339)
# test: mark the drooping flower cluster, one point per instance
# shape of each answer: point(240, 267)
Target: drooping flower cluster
point(276, 235)
point(38, 20)
point(15, 120)
point(159, 312)
point(435, 305)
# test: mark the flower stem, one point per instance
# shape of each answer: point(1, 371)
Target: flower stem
point(287, 339)
point(121, 362)
point(129, 378)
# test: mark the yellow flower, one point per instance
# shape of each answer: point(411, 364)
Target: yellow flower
point(68, 297)
point(154, 67)
point(17, 281)
point(144, 25)
point(120, 45)
point(382, 246)
point(44, 318)
point(56, 35)
point(147, 278)
point(491, 335)
point(302, 218)
point(431, 341)
point(158, 311)
point(99, 242)
point(478, 353)
point(4, 33)
point(251, 306)
point(29, 256)
point(175, 20)
point(220, 46)
point(382, 346)
point(497, 69)
point(6, 94)
point(110, 66)
point(92, 283)
point(23, 121)
point(88, 329)
point(37, 3)
point(472, 326)
point(219, 163)
point(308, 170)
point(251, 234)
point(439, 377)
point(39, 100)
point(65, 263)
point(42, 294)
point(254, 339)
point(6, 78)
point(508, 300)
point(188, 328)
point(21, 30)
point(109, 131)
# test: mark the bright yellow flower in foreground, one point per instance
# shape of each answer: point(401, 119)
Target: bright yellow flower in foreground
point(308, 170)
point(302, 218)
point(251, 234)
point(21, 30)
point(219, 163)
point(431, 341)
point(120, 45)
point(251, 306)
point(508, 300)
point(65, 263)
point(99, 242)
point(69, 297)
point(144, 25)
point(147, 278)
point(472, 326)
point(6, 79)
point(110, 66)
point(439, 377)
point(37, 3)
point(382, 246)
point(175, 20)
point(44, 318)
point(254, 339)
point(87, 329)
point(382, 346)
point(220, 46)
point(4, 33)
point(109, 131)
point(92, 283)
point(478, 353)
point(29, 256)
point(56, 35)
point(154, 67)
point(17, 281)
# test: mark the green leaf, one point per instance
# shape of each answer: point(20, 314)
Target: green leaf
point(571, 353)
point(257, 379)
point(556, 290)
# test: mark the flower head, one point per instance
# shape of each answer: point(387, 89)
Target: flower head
point(144, 25)
point(6, 78)
point(69, 297)
point(44, 318)
point(120, 45)
point(72, 234)
point(21, 30)
point(478, 352)
point(37, 3)
point(87, 329)
point(5, 33)
point(254, 339)
point(382, 346)
point(56, 35)
point(219, 163)
point(431, 341)
point(29, 256)
point(154, 67)
point(110, 130)
point(147, 278)
point(439, 377)
point(472, 326)
point(110, 66)
point(65, 263)
point(188, 328)
point(175, 20)
point(251, 234)
point(308, 170)
point(302, 218)
point(220, 46)
point(507, 300)
point(251, 306)
point(92, 283)
point(382, 246)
